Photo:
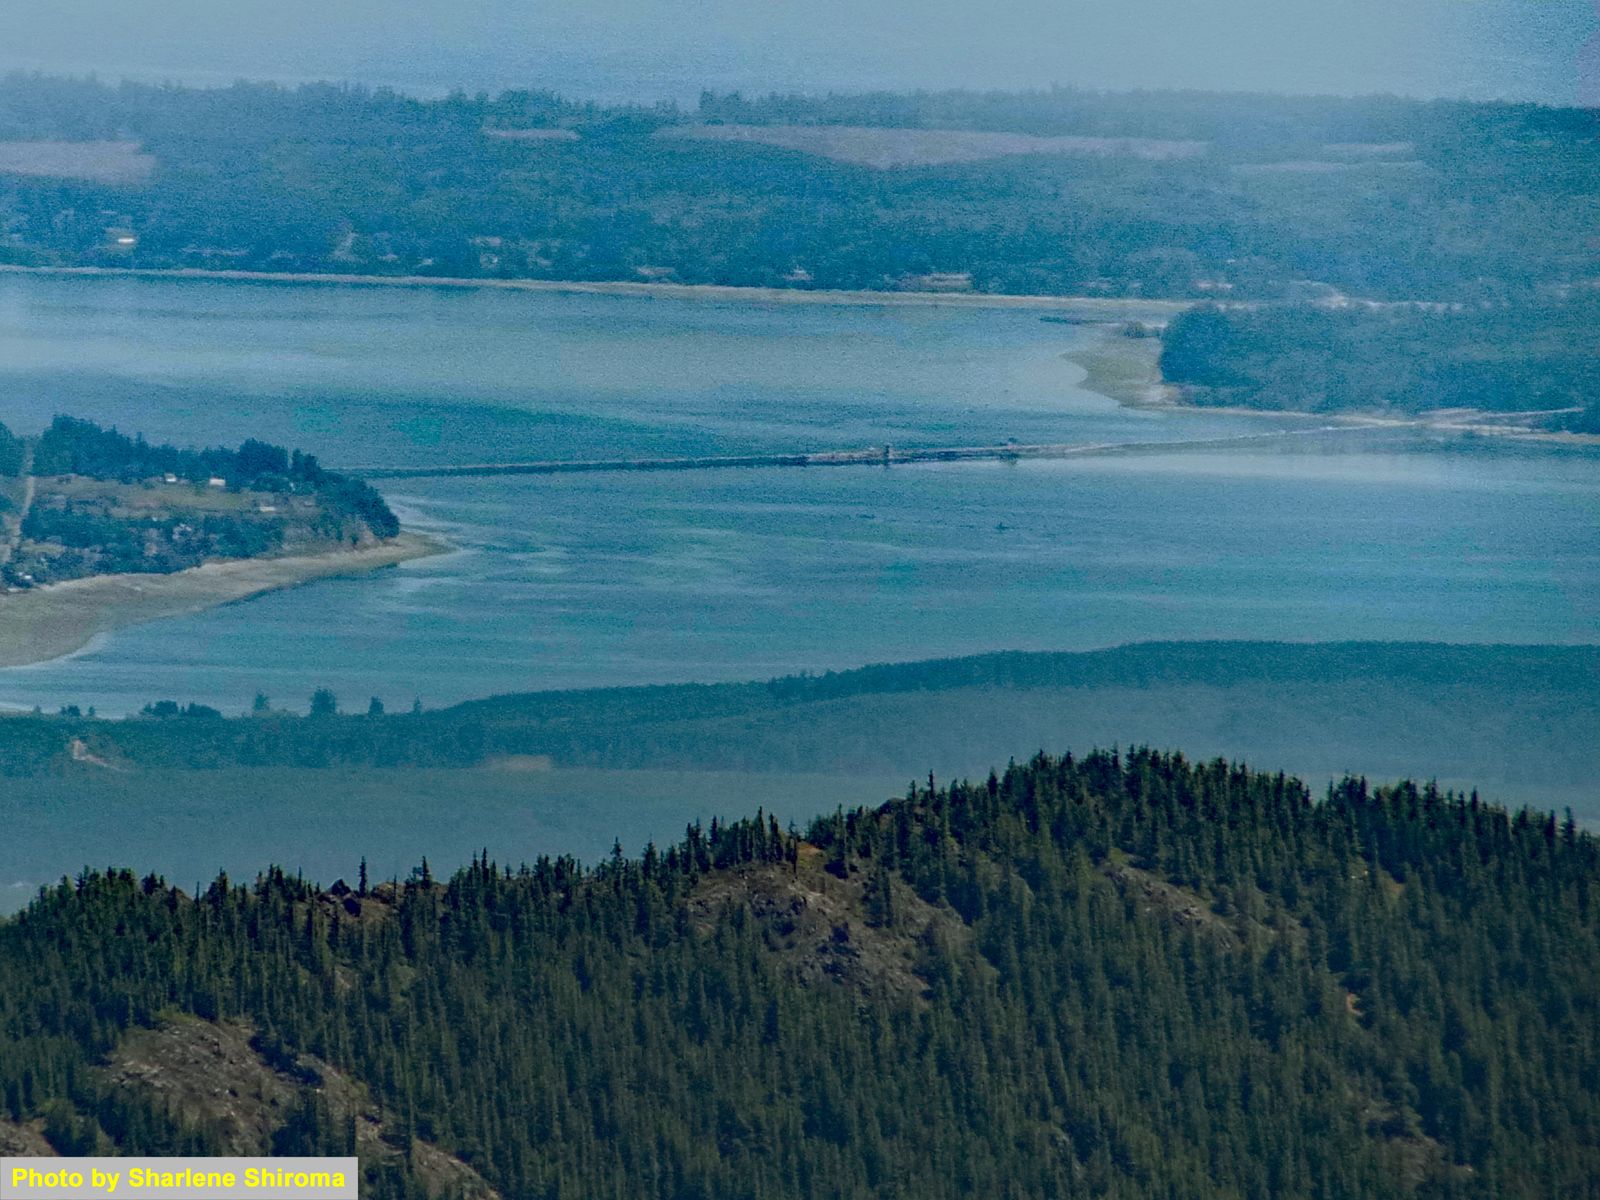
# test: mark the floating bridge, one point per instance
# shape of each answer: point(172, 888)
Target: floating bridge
point(878, 456)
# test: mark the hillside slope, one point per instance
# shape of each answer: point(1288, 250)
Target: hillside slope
point(1177, 195)
point(1114, 976)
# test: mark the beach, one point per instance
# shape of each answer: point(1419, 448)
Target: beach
point(1125, 369)
point(52, 622)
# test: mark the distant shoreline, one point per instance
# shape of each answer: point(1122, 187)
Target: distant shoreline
point(1125, 370)
point(1128, 371)
point(1114, 309)
point(53, 622)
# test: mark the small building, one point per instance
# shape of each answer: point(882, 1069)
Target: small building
point(939, 281)
point(169, 477)
point(217, 481)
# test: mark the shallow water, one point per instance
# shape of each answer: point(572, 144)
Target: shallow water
point(615, 579)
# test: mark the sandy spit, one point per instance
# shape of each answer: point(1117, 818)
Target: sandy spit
point(1128, 370)
point(54, 621)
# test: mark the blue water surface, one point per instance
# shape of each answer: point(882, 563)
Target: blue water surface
point(566, 581)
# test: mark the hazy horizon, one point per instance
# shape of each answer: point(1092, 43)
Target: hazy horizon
point(1537, 50)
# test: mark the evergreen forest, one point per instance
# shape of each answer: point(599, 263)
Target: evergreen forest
point(1162, 194)
point(1123, 975)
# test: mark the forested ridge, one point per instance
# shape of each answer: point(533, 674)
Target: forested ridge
point(1375, 196)
point(1130, 976)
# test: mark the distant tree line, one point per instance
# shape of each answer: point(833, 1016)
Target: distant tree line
point(76, 447)
point(1400, 199)
point(792, 722)
point(1523, 357)
point(12, 453)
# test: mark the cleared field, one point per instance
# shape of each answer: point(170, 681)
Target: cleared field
point(531, 135)
point(885, 148)
point(149, 498)
point(95, 162)
point(1320, 166)
point(1370, 149)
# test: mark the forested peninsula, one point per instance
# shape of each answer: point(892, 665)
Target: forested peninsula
point(80, 501)
point(100, 530)
point(1124, 975)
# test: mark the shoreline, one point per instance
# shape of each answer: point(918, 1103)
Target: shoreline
point(1123, 375)
point(1127, 371)
point(64, 619)
point(1114, 308)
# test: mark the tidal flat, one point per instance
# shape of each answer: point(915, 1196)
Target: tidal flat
point(60, 620)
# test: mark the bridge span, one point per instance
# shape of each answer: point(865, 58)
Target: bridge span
point(877, 456)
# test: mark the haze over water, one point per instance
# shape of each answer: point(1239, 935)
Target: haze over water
point(572, 581)
point(647, 50)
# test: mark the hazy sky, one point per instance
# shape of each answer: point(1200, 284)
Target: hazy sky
point(649, 49)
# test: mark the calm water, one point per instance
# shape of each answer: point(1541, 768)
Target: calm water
point(580, 580)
